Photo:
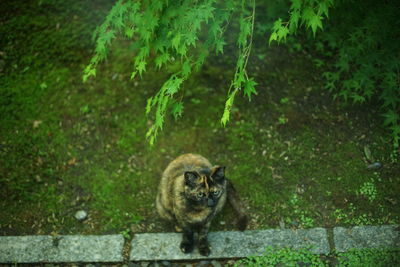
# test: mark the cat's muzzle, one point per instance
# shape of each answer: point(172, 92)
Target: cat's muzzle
point(210, 202)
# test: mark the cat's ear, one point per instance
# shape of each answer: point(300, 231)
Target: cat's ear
point(191, 177)
point(218, 173)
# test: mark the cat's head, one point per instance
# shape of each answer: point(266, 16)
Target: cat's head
point(204, 187)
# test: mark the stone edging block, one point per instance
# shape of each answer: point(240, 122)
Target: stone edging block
point(68, 248)
point(387, 236)
point(165, 246)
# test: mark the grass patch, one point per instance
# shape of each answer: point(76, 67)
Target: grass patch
point(303, 257)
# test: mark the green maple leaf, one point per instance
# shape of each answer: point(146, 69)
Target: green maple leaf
point(308, 13)
point(129, 31)
point(228, 106)
point(186, 68)
point(249, 88)
point(273, 37)
point(89, 71)
point(315, 22)
point(141, 66)
point(215, 29)
point(245, 30)
point(177, 109)
point(296, 4)
point(219, 46)
point(294, 21)
point(108, 36)
point(282, 33)
point(358, 98)
point(391, 118)
point(162, 59)
point(191, 38)
point(149, 105)
point(323, 8)
point(176, 41)
point(172, 85)
point(225, 116)
point(239, 79)
point(277, 25)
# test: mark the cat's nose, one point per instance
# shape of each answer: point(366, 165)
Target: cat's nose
point(210, 202)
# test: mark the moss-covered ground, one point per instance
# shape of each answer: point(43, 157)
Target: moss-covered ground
point(296, 156)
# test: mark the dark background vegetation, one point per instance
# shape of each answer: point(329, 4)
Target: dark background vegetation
point(298, 156)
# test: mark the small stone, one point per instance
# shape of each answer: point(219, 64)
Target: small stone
point(222, 222)
point(374, 166)
point(166, 263)
point(38, 179)
point(281, 223)
point(215, 263)
point(230, 263)
point(203, 264)
point(81, 215)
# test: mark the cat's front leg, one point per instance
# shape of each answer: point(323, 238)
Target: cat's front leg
point(204, 246)
point(187, 243)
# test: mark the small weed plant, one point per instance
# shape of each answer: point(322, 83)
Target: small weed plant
point(368, 190)
point(301, 216)
point(282, 257)
point(369, 258)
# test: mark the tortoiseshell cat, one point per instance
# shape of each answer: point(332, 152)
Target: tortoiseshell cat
point(191, 193)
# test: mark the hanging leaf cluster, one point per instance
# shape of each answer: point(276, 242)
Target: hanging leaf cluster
point(308, 13)
point(170, 31)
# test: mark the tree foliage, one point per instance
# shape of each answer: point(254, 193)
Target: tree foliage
point(361, 40)
point(365, 48)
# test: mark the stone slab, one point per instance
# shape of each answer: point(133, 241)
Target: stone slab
point(387, 236)
point(67, 248)
point(165, 246)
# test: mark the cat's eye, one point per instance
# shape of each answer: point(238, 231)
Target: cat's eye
point(200, 194)
point(216, 193)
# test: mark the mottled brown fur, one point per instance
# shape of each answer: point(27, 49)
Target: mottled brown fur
point(191, 193)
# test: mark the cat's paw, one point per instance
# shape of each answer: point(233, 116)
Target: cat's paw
point(204, 248)
point(186, 247)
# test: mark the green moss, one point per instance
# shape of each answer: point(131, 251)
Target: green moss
point(67, 146)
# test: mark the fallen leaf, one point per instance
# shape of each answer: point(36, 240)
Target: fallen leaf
point(36, 124)
point(72, 162)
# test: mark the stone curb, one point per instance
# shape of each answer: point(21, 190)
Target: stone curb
point(165, 246)
point(67, 248)
point(366, 237)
